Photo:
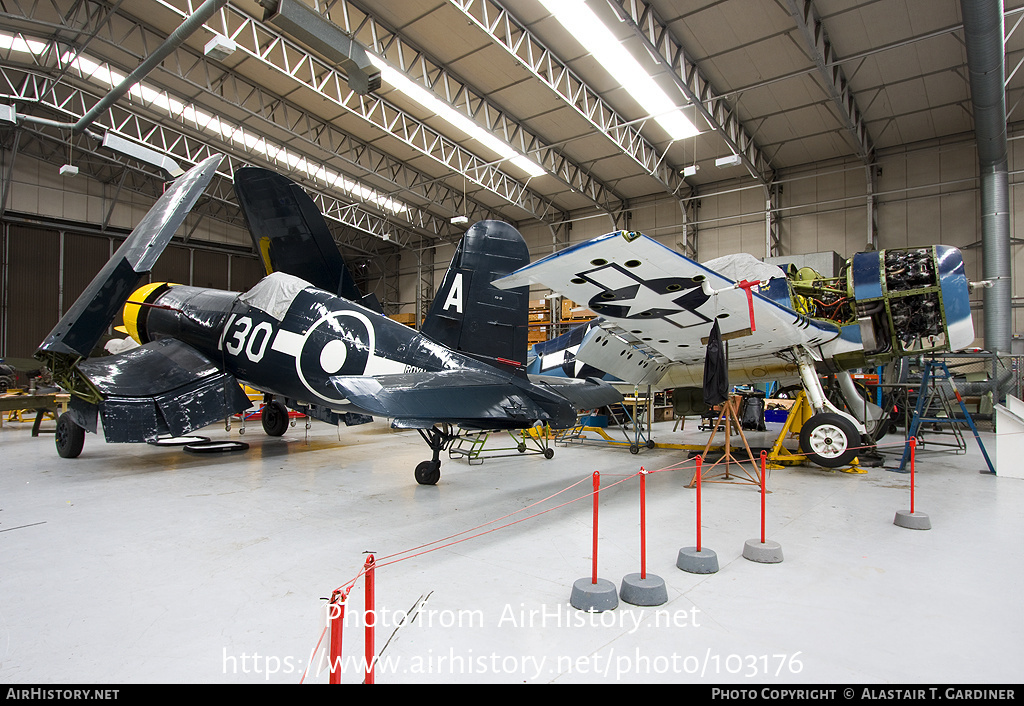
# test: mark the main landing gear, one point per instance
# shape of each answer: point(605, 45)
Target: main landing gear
point(274, 418)
point(829, 440)
point(438, 439)
point(70, 438)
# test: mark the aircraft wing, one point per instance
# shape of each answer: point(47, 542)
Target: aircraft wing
point(658, 307)
point(81, 327)
point(291, 235)
point(163, 387)
point(470, 398)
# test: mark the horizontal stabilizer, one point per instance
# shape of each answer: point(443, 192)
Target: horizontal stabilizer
point(82, 326)
point(163, 387)
point(581, 394)
point(460, 396)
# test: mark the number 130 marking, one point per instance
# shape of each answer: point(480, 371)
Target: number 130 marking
point(246, 337)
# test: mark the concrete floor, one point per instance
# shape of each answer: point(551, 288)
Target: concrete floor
point(139, 564)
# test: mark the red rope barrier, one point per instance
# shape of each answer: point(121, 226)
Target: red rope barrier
point(371, 564)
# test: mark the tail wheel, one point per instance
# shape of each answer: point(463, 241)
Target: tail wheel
point(70, 438)
point(275, 418)
point(829, 440)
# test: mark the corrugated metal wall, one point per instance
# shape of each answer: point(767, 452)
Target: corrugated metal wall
point(43, 271)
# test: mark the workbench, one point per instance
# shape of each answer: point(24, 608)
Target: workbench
point(53, 403)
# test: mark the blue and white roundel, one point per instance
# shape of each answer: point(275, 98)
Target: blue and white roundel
point(339, 343)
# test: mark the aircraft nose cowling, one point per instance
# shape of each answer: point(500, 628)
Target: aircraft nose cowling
point(137, 306)
point(956, 302)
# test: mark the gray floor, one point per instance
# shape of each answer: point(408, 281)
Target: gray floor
point(136, 564)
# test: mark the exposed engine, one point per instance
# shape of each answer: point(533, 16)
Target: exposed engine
point(917, 318)
point(895, 296)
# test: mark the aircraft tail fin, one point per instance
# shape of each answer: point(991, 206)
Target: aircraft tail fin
point(82, 326)
point(291, 235)
point(471, 315)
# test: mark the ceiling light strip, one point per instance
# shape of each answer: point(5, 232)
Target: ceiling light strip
point(266, 45)
point(508, 33)
point(646, 23)
point(71, 102)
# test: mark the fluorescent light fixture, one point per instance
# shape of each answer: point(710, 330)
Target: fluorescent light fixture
point(733, 160)
point(459, 220)
point(69, 170)
point(396, 79)
point(597, 39)
point(690, 171)
point(8, 114)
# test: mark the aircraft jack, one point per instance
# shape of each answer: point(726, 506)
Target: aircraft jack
point(779, 457)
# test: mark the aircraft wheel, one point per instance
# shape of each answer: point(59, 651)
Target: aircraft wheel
point(428, 472)
point(549, 452)
point(70, 438)
point(829, 440)
point(275, 418)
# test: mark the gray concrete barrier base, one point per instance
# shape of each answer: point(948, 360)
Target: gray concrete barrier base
point(593, 597)
point(704, 561)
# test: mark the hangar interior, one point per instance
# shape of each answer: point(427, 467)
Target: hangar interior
point(777, 128)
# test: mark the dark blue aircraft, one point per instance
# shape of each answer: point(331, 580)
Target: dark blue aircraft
point(304, 336)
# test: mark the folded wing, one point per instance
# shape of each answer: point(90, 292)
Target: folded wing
point(161, 388)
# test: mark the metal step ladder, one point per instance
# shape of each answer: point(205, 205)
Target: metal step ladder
point(929, 393)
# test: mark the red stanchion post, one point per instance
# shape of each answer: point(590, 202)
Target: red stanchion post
point(697, 560)
point(593, 561)
point(913, 519)
point(336, 616)
point(913, 445)
point(763, 551)
point(643, 523)
point(643, 588)
point(699, 461)
point(764, 456)
point(371, 620)
point(591, 593)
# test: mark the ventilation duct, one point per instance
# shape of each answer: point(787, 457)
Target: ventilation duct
point(983, 35)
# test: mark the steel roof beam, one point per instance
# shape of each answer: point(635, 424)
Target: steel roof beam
point(818, 47)
point(648, 25)
point(279, 53)
point(69, 102)
point(429, 73)
point(245, 95)
point(507, 32)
